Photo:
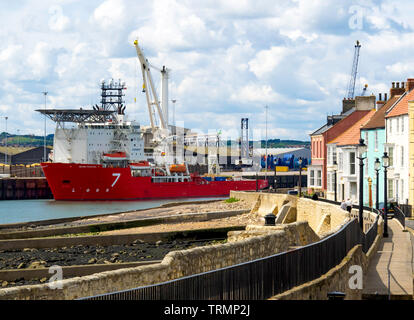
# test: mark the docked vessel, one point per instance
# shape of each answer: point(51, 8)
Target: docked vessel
point(74, 181)
point(102, 156)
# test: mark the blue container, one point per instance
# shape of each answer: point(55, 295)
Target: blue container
point(220, 179)
point(207, 178)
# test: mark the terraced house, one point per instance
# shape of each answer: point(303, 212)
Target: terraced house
point(374, 137)
point(347, 168)
point(352, 111)
point(397, 145)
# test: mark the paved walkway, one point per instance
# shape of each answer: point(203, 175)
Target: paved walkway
point(390, 273)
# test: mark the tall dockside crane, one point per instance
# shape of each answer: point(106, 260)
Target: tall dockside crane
point(351, 86)
point(150, 92)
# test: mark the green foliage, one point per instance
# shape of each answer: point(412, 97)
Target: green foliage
point(231, 200)
point(26, 140)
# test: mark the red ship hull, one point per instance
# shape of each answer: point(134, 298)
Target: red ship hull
point(69, 181)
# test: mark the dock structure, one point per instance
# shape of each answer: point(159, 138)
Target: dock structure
point(390, 273)
point(24, 188)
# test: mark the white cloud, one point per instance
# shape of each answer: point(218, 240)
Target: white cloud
point(58, 21)
point(267, 60)
point(226, 57)
point(40, 60)
point(109, 14)
point(256, 93)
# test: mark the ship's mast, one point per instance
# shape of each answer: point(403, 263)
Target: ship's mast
point(112, 94)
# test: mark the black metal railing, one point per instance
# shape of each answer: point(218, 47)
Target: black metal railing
point(406, 209)
point(259, 279)
point(399, 215)
point(368, 238)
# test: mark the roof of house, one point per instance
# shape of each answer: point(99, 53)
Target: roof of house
point(327, 126)
point(378, 119)
point(401, 107)
point(352, 135)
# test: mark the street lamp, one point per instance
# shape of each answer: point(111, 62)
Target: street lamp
point(361, 149)
point(335, 168)
point(300, 176)
point(377, 167)
point(44, 139)
point(385, 164)
point(174, 101)
point(5, 152)
point(266, 107)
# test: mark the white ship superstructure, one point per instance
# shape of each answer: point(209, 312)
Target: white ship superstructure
point(98, 132)
point(90, 141)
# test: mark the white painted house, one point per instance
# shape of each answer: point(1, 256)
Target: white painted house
point(397, 147)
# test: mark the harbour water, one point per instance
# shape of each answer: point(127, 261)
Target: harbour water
point(15, 211)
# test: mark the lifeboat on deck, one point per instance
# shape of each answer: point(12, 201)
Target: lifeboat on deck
point(178, 168)
point(140, 165)
point(116, 156)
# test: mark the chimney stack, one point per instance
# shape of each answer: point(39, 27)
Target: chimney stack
point(410, 84)
point(379, 103)
point(396, 90)
point(385, 97)
point(347, 104)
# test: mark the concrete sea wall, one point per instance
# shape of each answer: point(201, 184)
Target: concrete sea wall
point(175, 264)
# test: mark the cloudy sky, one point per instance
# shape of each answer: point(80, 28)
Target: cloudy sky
point(229, 59)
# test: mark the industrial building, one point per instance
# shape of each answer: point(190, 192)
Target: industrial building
point(22, 155)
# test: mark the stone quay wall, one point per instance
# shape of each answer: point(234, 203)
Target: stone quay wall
point(175, 265)
point(314, 218)
point(338, 278)
point(324, 218)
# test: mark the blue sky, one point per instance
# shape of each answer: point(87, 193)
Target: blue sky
point(228, 58)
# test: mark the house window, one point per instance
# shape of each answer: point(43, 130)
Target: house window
point(402, 125)
point(340, 162)
point(398, 124)
point(390, 189)
point(312, 177)
point(402, 156)
point(402, 190)
point(329, 155)
point(366, 139)
point(319, 178)
point(329, 182)
point(334, 154)
point(352, 163)
point(390, 125)
point(376, 140)
point(391, 155)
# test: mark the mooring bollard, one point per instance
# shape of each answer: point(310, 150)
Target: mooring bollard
point(270, 219)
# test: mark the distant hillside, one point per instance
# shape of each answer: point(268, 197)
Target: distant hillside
point(277, 143)
point(25, 140)
point(36, 141)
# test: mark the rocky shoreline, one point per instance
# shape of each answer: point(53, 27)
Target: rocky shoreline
point(87, 255)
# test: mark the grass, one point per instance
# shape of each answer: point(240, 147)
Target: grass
point(231, 200)
point(69, 235)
